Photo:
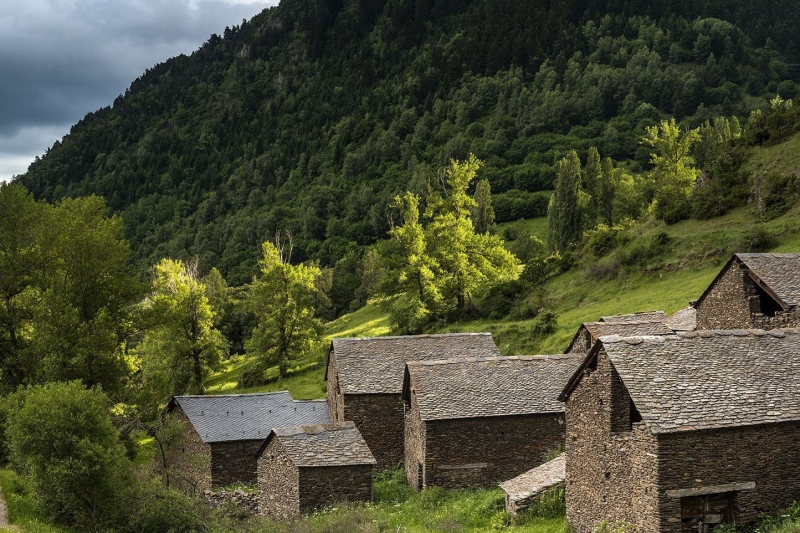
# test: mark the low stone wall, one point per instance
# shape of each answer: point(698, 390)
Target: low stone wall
point(248, 501)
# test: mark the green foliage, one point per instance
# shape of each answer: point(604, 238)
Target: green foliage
point(182, 344)
point(283, 298)
point(514, 205)
point(564, 216)
point(483, 213)
point(674, 173)
point(63, 439)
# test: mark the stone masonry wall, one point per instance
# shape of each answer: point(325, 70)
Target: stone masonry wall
point(767, 455)
point(379, 418)
point(234, 461)
point(727, 305)
point(334, 395)
point(414, 445)
point(190, 462)
point(278, 484)
point(482, 452)
point(328, 485)
point(612, 465)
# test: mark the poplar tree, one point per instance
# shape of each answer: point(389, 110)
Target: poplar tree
point(563, 213)
point(606, 193)
point(591, 184)
point(483, 213)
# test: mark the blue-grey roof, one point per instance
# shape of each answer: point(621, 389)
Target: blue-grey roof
point(228, 417)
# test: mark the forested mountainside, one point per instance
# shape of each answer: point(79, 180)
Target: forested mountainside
point(314, 114)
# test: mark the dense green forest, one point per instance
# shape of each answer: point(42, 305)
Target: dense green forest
point(312, 116)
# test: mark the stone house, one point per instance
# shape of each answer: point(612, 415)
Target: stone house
point(589, 332)
point(752, 291)
point(303, 468)
point(365, 379)
point(474, 422)
point(223, 433)
point(680, 433)
point(643, 316)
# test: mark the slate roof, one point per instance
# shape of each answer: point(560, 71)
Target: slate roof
point(376, 364)
point(323, 445)
point(707, 379)
point(537, 480)
point(627, 328)
point(683, 320)
point(777, 274)
point(645, 316)
point(229, 417)
point(492, 386)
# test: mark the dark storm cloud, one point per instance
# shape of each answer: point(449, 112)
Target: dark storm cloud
point(60, 59)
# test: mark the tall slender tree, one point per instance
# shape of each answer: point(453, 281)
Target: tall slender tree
point(564, 213)
point(483, 212)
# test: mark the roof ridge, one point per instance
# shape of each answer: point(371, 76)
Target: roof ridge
point(702, 333)
point(270, 393)
point(421, 336)
point(310, 429)
point(493, 358)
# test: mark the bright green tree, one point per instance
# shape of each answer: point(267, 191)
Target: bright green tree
point(63, 439)
point(465, 260)
point(564, 216)
point(592, 178)
point(182, 343)
point(674, 173)
point(283, 299)
point(605, 204)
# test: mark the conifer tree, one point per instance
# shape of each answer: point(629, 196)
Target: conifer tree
point(563, 213)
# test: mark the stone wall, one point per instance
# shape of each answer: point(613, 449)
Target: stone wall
point(728, 304)
point(247, 501)
point(414, 444)
point(333, 393)
point(379, 418)
point(327, 485)
point(234, 462)
point(482, 452)
point(278, 484)
point(611, 463)
point(582, 342)
point(766, 457)
point(189, 462)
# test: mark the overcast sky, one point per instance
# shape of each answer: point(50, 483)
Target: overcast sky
point(61, 59)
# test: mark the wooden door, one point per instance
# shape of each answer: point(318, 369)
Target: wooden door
point(702, 514)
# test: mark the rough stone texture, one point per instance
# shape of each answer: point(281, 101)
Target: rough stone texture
point(482, 452)
point(523, 490)
point(610, 471)
point(247, 501)
point(644, 316)
point(278, 483)
point(379, 418)
point(303, 468)
point(682, 320)
point(333, 391)
point(234, 462)
point(589, 332)
point(191, 462)
point(735, 300)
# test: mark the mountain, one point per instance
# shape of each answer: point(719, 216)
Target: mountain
point(312, 115)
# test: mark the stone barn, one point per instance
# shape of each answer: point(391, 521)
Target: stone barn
point(303, 468)
point(752, 291)
point(365, 379)
point(223, 433)
point(682, 433)
point(475, 422)
point(589, 332)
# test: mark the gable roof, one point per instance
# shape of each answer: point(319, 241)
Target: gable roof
point(492, 386)
point(706, 379)
point(370, 365)
point(777, 274)
point(683, 320)
point(230, 417)
point(625, 328)
point(644, 316)
point(322, 445)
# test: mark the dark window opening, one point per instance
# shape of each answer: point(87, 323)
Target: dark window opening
point(766, 303)
point(636, 416)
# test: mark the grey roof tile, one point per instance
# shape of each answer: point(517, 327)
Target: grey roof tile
point(491, 386)
point(780, 272)
point(625, 328)
point(536, 480)
point(683, 320)
point(323, 445)
point(710, 379)
point(644, 316)
point(229, 417)
point(376, 364)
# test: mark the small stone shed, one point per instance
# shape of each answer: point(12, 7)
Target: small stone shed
point(303, 468)
point(589, 332)
point(365, 379)
point(681, 433)
point(224, 432)
point(523, 490)
point(753, 291)
point(475, 422)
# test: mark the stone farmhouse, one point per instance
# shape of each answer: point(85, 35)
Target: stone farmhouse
point(752, 291)
point(303, 468)
point(474, 422)
point(589, 332)
point(680, 433)
point(223, 433)
point(365, 379)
